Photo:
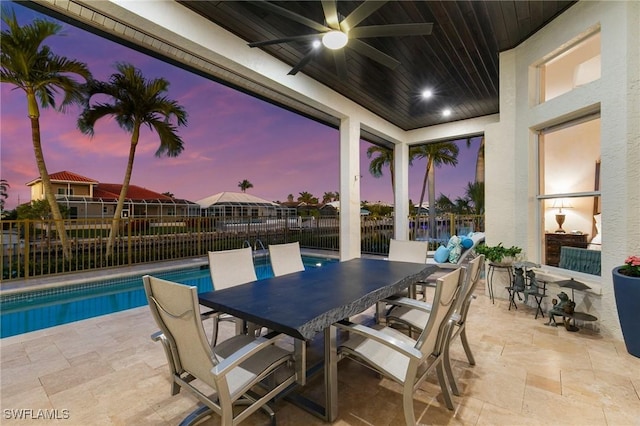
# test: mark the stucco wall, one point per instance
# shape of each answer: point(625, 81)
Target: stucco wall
point(513, 216)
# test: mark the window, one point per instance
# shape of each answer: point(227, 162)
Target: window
point(570, 68)
point(569, 187)
point(65, 191)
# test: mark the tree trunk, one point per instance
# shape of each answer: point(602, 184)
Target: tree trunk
point(424, 186)
point(432, 200)
point(44, 176)
point(480, 162)
point(113, 233)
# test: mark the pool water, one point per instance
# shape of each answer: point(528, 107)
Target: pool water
point(30, 311)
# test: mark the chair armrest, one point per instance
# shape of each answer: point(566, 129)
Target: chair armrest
point(157, 336)
point(380, 337)
point(209, 314)
point(244, 353)
point(409, 303)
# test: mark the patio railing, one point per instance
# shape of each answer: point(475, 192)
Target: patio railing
point(31, 248)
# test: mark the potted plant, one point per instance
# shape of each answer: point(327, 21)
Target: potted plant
point(498, 254)
point(626, 287)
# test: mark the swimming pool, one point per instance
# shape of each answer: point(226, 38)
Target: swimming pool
point(30, 311)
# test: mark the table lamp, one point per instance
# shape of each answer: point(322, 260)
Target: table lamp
point(560, 216)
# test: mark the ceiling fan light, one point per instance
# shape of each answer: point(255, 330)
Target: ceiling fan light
point(334, 40)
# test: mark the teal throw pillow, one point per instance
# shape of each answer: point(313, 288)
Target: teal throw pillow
point(466, 242)
point(455, 249)
point(441, 255)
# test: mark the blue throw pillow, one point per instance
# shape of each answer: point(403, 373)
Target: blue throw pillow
point(455, 249)
point(441, 255)
point(466, 242)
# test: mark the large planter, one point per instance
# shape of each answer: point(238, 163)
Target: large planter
point(627, 291)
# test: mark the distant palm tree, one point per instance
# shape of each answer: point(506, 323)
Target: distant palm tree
point(4, 186)
point(307, 197)
point(437, 154)
point(134, 101)
point(330, 196)
point(382, 157)
point(41, 74)
point(244, 185)
point(444, 204)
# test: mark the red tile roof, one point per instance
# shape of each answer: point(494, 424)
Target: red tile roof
point(112, 190)
point(65, 176)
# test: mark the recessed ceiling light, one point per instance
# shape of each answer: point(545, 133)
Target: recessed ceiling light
point(316, 44)
point(334, 40)
point(446, 112)
point(426, 94)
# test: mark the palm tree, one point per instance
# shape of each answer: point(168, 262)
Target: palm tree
point(134, 101)
point(330, 196)
point(35, 69)
point(475, 194)
point(307, 197)
point(4, 186)
point(383, 157)
point(244, 185)
point(437, 154)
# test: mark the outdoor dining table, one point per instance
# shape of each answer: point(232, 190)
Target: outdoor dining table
point(305, 303)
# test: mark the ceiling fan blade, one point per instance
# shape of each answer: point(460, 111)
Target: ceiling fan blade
point(341, 63)
point(373, 53)
point(360, 13)
point(304, 61)
point(331, 13)
point(285, 40)
point(391, 30)
point(291, 15)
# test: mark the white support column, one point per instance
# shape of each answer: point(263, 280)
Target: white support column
point(401, 201)
point(349, 189)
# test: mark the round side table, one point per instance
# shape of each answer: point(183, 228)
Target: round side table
point(508, 268)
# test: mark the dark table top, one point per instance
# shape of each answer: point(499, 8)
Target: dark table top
point(304, 303)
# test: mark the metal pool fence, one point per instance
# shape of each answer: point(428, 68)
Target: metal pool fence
point(31, 247)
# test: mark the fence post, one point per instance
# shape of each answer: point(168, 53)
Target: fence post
point(27, 248)
point(129, 259)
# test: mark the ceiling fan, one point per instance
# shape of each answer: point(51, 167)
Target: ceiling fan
point(338, 32)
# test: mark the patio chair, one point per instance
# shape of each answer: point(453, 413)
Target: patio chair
point(413, 314)
point(404, 251)
point(232, 369)
point(285, 258)
point(230, 268)
point(408, 251)
point(401, 358)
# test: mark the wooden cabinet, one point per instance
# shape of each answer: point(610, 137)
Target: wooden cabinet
point(553, 242)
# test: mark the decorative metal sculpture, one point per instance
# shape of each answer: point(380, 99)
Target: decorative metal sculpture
point(533, 285)
point(564, 308)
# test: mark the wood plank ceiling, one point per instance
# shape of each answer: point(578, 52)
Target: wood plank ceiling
point(458, 61)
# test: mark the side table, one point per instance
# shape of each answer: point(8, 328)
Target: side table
point(508, 268)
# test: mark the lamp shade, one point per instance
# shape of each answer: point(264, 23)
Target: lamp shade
point(561, 203)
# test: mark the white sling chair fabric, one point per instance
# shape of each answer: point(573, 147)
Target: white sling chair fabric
point(285, 258)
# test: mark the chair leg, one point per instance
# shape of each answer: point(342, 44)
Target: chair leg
point(444, 386)
point(407, 403)
point(465, 345)
point(214, 335)
point(449, 370)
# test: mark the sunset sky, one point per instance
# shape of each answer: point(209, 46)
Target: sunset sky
point(231, 136)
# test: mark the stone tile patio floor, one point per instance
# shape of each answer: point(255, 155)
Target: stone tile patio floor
point(107, 371)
